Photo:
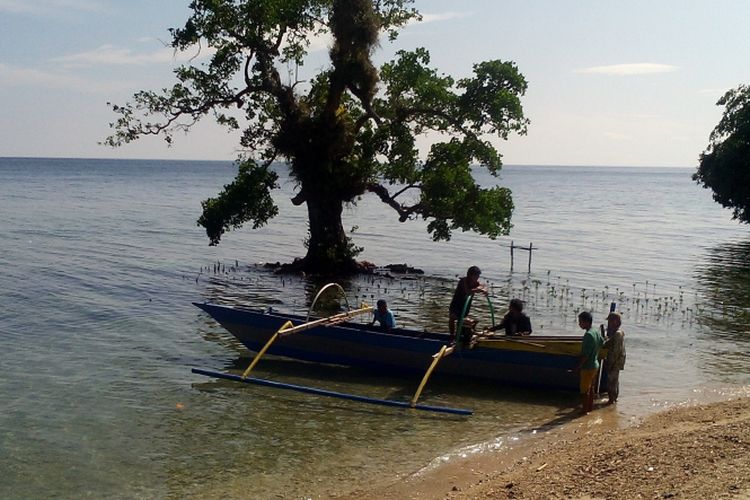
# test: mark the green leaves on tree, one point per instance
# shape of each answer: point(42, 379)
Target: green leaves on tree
point(725, 164)
point(247, 199)
point(349, 130)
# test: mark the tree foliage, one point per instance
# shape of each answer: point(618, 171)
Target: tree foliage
point(349, 131)
point(725, 164)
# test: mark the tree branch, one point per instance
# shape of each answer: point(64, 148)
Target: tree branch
point(248, 60)
point(431, 112)
point(404, 212)
point(399, 193)
point(279, 39)
point(369, 114)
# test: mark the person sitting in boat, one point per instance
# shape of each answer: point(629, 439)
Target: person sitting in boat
point(467, 285)
point(384, 316)
point(515, 321)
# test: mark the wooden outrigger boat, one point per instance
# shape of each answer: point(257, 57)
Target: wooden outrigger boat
point(543, 362)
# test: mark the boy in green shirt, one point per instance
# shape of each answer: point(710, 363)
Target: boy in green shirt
point(589, 362)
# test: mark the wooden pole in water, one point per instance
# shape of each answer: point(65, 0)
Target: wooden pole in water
point(530, 250)
point(513, 247)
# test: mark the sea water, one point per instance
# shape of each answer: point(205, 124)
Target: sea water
point(101, 259)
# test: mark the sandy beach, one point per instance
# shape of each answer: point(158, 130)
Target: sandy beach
point(685, 452)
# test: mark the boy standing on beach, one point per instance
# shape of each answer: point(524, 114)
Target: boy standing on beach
point(615, 344)
point(589, 363)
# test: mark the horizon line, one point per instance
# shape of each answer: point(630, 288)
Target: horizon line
point(564, 165)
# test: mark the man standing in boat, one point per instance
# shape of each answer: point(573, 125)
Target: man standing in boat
point(468, 285)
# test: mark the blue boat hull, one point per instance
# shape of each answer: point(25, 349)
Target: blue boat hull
point(541, 362)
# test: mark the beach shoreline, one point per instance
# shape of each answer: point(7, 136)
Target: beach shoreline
point(694, 451)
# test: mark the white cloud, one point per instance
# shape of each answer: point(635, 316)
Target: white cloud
point(11, 76)
point(48, 7)
point(714, 92)
point(444, 16)
point(114, 56)
point(629, 69)
point(617, 136)
point(111, 55)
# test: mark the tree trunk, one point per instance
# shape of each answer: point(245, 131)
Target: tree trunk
point(329, 250)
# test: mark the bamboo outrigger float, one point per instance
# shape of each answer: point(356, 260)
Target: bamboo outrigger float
point(539, 361)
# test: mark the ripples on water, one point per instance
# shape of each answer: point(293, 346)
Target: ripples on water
point(101, 259)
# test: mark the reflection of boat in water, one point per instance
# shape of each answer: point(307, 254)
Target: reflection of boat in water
point(537, 361)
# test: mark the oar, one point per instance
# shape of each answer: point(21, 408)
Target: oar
point(443, 352)
point(332, 394)
point(484, 336)
point(520, 341)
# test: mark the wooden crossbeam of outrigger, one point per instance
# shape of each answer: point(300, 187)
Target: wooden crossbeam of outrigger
point(288, 328)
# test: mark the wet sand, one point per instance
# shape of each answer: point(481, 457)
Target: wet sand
point(700, 451)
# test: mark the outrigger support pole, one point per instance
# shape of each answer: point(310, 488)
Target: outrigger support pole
point(446, 350)
point(288, 328)
point(457, 345)
point(260, 354)
point(443, 352)
point(331, 394)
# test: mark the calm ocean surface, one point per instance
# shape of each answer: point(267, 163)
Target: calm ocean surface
point(101, 259)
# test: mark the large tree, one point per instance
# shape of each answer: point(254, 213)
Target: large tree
point(725, 164)
point(348, 131)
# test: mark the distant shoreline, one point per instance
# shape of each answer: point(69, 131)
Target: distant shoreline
point(232, 160)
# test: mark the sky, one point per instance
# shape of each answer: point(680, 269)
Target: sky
point(611, 83)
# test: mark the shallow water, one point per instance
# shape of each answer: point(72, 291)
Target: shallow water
point(101, 259)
